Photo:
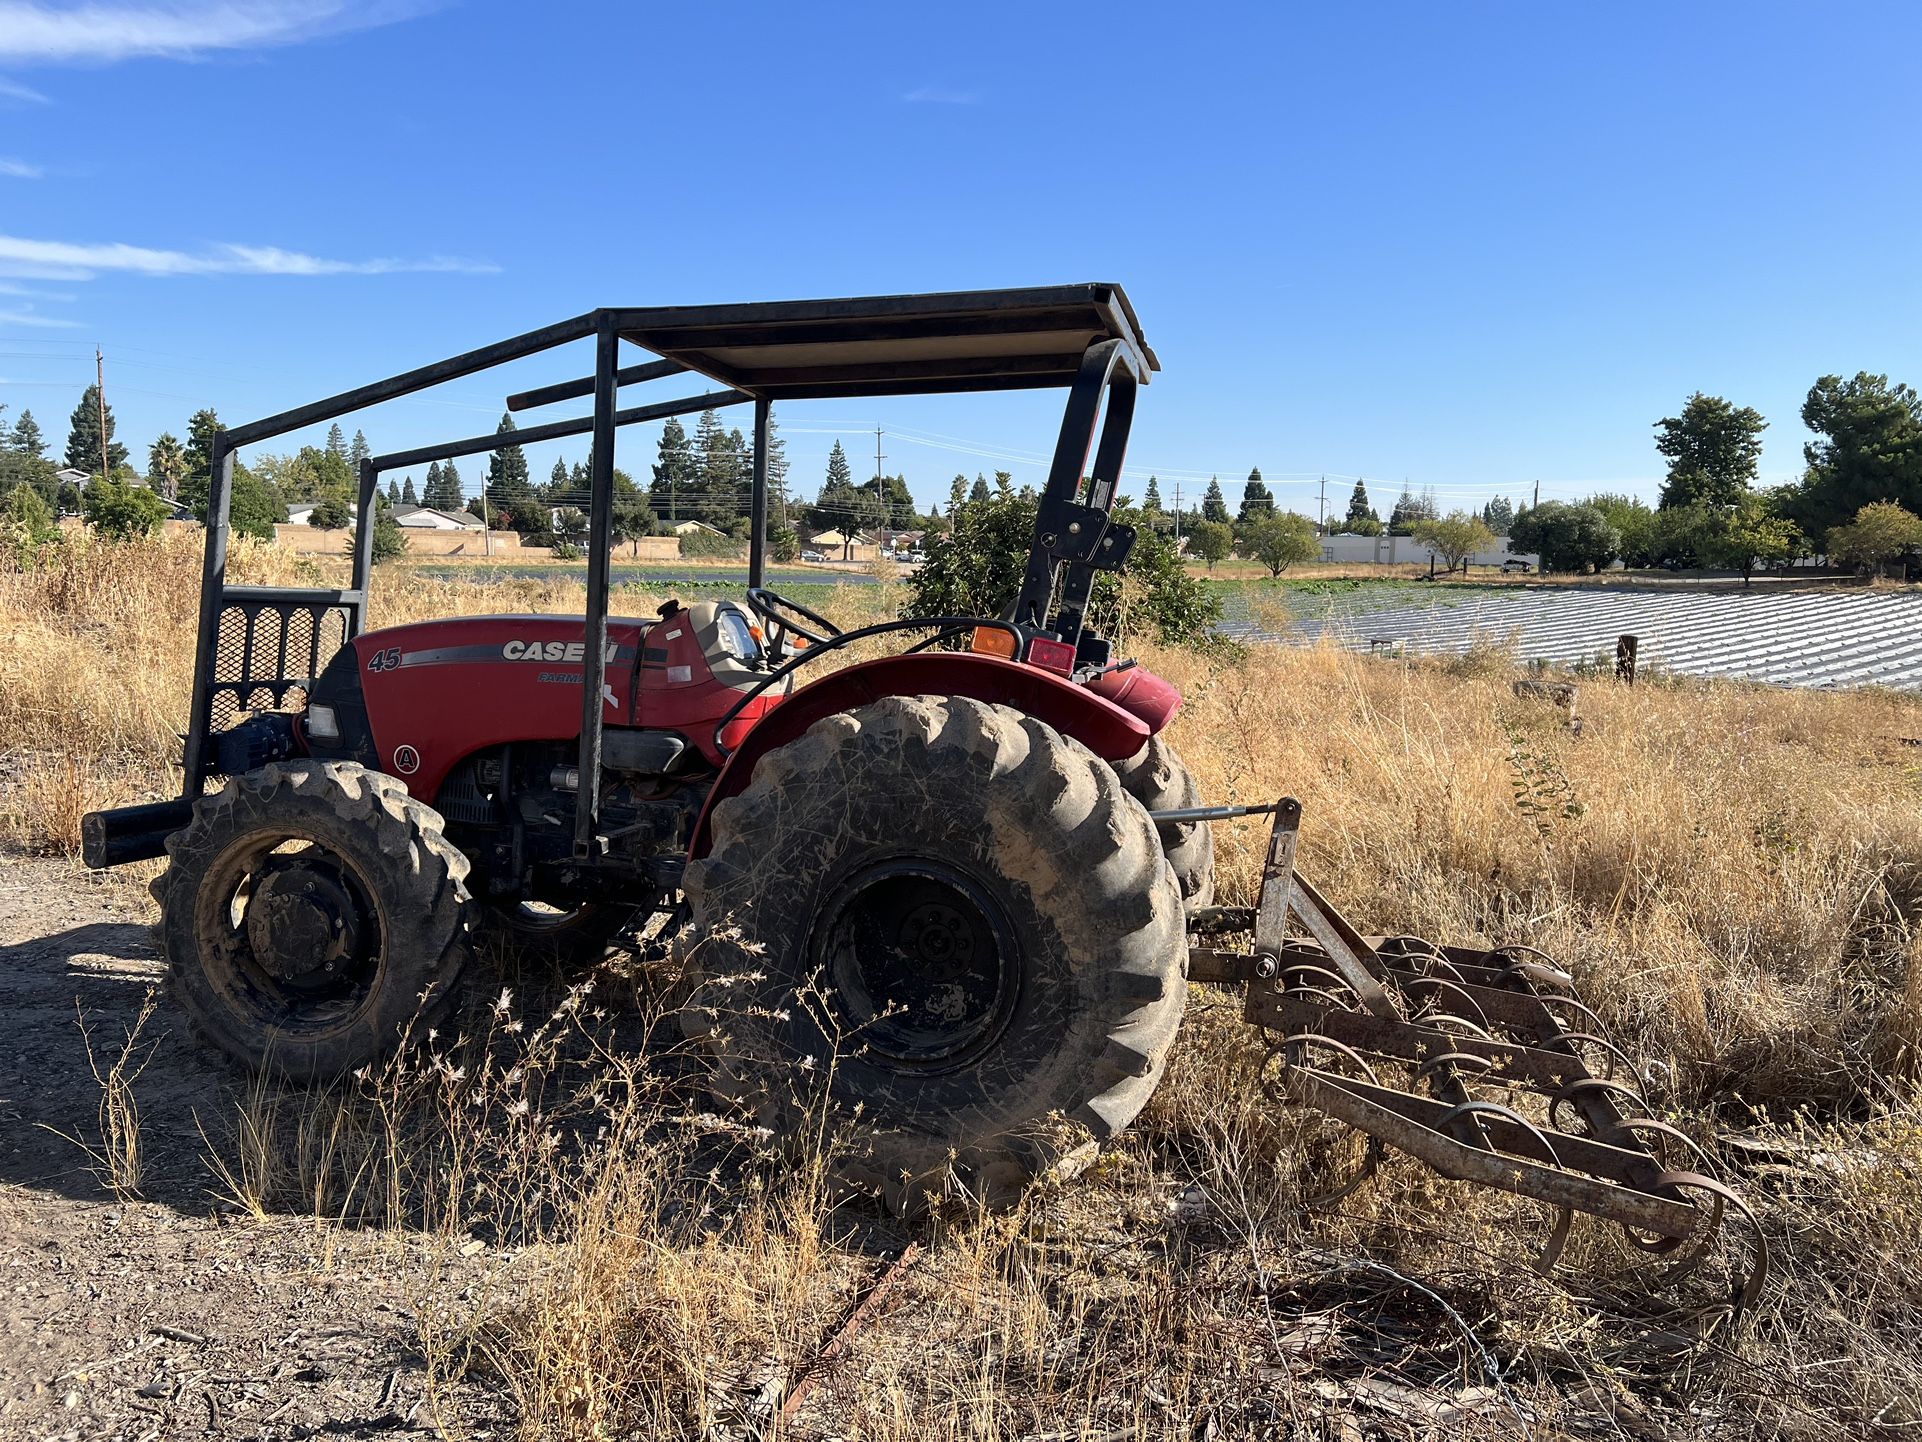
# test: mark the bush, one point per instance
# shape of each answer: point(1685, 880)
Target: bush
point(700, 544)
point(783, 543)
point(26, 524)
point(389, 540)
point(976, 570)
point(122, 512)
point(332, 513)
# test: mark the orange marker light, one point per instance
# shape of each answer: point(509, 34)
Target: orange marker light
point(991, 642)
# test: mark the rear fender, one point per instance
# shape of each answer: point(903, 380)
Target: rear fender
point(1096, 722)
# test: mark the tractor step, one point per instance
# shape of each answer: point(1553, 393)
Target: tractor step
point(1482, 1064)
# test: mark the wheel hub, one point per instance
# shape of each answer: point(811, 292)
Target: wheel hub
point(304, 926)
point(922, 964)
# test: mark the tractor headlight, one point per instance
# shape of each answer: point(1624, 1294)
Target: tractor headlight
point(322, 724)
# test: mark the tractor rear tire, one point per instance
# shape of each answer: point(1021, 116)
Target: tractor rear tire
point(948, 924)
point(313, 917)
point(1160, 780)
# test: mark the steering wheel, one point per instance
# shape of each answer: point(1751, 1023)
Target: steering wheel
point(780, 615)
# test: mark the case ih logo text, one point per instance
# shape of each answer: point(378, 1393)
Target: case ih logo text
point(550, 650)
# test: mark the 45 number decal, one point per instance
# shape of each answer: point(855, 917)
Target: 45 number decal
point(387, 660)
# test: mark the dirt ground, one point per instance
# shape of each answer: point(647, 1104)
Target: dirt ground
point(175, 1315)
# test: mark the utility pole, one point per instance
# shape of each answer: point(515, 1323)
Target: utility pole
point(1538, 493)
point(1177, 515)
point(100, 398)
point(880, 494)
point(1321, 517)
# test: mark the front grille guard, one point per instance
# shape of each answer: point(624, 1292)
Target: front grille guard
point(270, 646)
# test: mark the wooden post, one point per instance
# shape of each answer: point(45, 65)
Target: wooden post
point(1626, 648)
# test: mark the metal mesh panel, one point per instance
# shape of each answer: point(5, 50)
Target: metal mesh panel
point(268, 653)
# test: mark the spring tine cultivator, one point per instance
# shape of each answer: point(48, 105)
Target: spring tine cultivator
point(1482, 1064)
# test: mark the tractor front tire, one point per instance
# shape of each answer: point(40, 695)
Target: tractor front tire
point(1160, 780)
point(313, 917)
point(945, 923)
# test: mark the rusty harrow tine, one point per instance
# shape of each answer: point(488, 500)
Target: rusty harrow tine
point(1397, 1117)
point(1454, 1016)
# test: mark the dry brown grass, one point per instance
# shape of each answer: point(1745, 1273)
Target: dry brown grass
point(1733, 873)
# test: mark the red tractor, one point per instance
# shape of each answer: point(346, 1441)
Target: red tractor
point(958, 891)
point(936, 870)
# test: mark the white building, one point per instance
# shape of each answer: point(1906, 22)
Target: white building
point(1406, 550)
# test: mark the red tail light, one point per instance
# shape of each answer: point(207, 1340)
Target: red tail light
point(1055, 656)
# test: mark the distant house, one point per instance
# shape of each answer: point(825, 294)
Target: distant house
point(690, 528)
point(426, 518)
point(302, 513)
point(835, 539)
point(72, 476)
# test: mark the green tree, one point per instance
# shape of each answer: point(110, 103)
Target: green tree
point(1150, 502)
point(1360, 510)
point(719, 458)
point(83, 437)
point(977, 568)
point(676, 474)
point(886, 501)
point(1401, 520)
point(1214, 506)
point(1680, 538)
point(1868, 448)
point(957, 494)
point(408, 495)
point(1712, 449)
point(1210, 540)
point(979, 490)
point(1455, 537)
point(166, 465)
point(1641, 530)
point(392, 491)
point(1568, 538)
point(1256, 498)
point(26, 439)
point(1499, 515)
point(454, 493)
point(255, 506)
point(202, 427)
point(783, 542)
point(777, 464)
point(357, 451)
point(839, 506)
point(1758, 534)
point(389, 540)
point(122, 512)
point(1278, 540)
point(510, 493)
point(1881, 534)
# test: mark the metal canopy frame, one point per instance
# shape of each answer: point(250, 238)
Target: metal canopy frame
point(1084, 337)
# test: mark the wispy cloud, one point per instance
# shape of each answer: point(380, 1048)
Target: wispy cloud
point(99, 33)
point(29, 318)
point(25, 95)
point(941, 95)
point(27, 292)
point(19, 169)
point(67, 260)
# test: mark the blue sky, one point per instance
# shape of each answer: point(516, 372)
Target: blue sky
point(1469, 245)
